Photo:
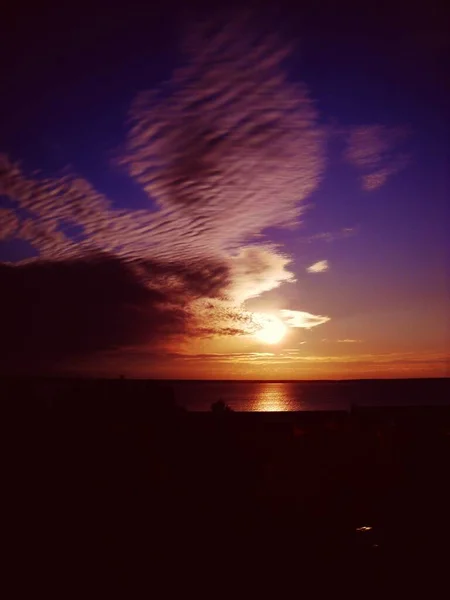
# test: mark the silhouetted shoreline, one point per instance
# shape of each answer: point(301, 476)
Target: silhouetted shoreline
point(117, 490)
point(198, 395)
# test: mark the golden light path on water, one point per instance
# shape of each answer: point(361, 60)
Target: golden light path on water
point(272, 397)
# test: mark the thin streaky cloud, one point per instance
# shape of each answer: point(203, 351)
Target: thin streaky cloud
point(331, 236)
point(375, 358)
point(305, 320)
point(374, 149)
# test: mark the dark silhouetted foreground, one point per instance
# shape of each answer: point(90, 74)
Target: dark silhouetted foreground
point(124, 491)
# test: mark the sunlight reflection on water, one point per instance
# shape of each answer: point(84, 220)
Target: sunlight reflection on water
point(263, 396)
point(243, 396)
point(272, 397)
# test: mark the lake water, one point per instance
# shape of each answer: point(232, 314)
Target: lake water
point(301, 395)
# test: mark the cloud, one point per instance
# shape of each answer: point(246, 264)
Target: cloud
point(54, 311)
point(47, 205)
point(370, 364)
point(228, 148)
point(8, 223)
point(280, 363)
point(331, 236)
point(368, 145)
point(255, 270)
point(373, 181)
point(374, 149)
point(298, 318)
point(344, 341)
point(319, 267)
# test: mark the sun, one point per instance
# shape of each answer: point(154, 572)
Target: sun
point(272, 330)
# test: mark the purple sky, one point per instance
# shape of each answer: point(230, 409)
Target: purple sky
point(164, 270)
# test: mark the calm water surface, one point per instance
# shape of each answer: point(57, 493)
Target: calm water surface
point(252, 396)
point(301, 395)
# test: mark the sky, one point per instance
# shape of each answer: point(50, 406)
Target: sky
point(251, 193)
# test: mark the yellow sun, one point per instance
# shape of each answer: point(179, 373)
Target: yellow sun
point(272, 330)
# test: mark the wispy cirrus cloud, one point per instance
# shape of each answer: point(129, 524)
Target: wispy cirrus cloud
point(319, 267)
point(374, 149)
point(331, 236)
point(305, 320)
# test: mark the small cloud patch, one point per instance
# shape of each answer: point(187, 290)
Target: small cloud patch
point(299, 318)
point(319, 267)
